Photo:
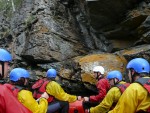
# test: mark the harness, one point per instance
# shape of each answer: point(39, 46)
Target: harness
point(122, 87)
point(39, 88)
point(145, 82)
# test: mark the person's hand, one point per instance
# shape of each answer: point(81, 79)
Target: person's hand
point(79, 97)
point(86, 98)
point(87, 111)
point(45, 95)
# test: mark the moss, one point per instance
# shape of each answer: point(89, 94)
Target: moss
point(6, 6)
point(29, 20)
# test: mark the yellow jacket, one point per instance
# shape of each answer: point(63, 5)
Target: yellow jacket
point(112, 96)
point(134, 98)
point(54, 89)
point(26, 98)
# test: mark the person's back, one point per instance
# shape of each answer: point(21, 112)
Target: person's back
point(8, 102)
point(136, 98)
point(39, 87)
point(139, 102)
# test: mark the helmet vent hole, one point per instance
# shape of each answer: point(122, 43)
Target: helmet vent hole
point(143, 68)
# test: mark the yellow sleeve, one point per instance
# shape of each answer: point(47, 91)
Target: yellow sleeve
point(128, 102)
point(26, 98)
point(54, 89)
point(112, 96)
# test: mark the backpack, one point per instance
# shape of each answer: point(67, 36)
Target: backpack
point(39, 88)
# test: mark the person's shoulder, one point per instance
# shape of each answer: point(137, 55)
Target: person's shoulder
point(114, 89)
point(53, 83)
point(103, 80)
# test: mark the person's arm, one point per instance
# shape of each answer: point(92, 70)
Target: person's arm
point(112, 96)
point(102, 87)
point(54, 89)
point(128, 101)
point(26, 98)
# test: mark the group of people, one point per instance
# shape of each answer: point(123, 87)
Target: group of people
point(122, 97)
point(114, 94)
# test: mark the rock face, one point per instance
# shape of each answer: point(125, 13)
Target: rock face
point(65, 35)
point(50, 30)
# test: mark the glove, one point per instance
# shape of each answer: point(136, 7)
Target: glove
point(45, 95)
point(86, 98)
point(87, 111)
point(79, 97)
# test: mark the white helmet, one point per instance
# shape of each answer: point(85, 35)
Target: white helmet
point(99, 69)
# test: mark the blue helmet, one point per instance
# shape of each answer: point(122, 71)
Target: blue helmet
point(5, 56)
point(140, 65)
point(17, 73)
point(114, 74)
point(51, 73)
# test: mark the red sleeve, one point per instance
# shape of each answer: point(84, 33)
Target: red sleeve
point(102, 86)
point(9, 103)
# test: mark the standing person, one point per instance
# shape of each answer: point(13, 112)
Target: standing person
point(18, 83)
point(59, 99)
point(136, 98)
point(113, 95)
point(102, 85)
point(8, 102)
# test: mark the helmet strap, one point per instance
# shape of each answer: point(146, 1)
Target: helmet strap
point(99, 76)
point(116, 81)
point(2, 74)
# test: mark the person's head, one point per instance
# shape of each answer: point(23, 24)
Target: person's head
point(98, 72)
point(114, 77)
point(51, 74)
point(5, 59)
point(19, 76)
point(137, 67)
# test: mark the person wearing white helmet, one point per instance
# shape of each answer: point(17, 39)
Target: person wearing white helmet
point(102, 85)
point(117, 88)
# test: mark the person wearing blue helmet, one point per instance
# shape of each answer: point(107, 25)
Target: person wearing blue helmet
point(136, 98)
point(5, 59)
point(117, 88)
point(8, 102)
point(18, 82)
point(58, 98)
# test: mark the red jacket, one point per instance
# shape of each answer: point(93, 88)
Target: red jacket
point(9, 103)
point(103, 86)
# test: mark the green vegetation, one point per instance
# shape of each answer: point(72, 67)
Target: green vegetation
point(7, 7)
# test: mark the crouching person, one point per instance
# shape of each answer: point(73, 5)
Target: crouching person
point(18, 82)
